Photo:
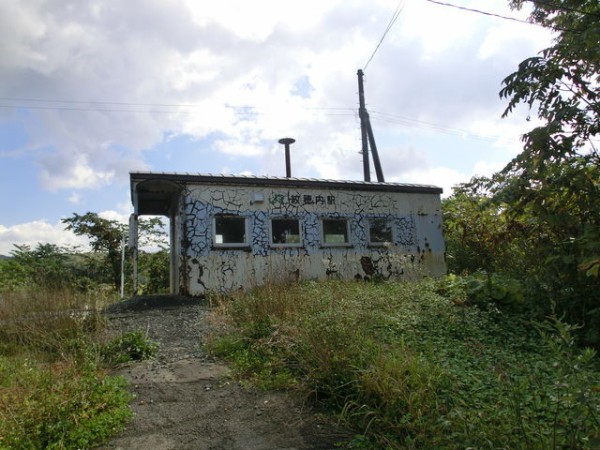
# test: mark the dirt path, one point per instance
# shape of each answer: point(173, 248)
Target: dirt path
point(184, 400)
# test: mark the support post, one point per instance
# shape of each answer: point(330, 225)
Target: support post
point(376, 162)
point(122, 266)
point(362, 114)
point(133, 244)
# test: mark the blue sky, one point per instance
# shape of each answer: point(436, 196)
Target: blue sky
point(90, 91)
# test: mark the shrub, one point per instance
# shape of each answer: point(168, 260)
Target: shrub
point(130, 346)
point(63, 405)
point(54, 393)
point(410, 368)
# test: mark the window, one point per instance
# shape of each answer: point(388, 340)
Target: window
point(230, 231)
point(285, 232)
point(380, 231)
point(335, 231)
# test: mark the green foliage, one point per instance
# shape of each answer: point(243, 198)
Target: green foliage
point(543, 234)
point(54, 391)
point(548, 197)
point(105, 236)
point(152, 233)
point(61, 406)
point(48, 266)
point(482, 288)
point(562, 83)
point(106, 239)
point(476, 230)
point(130, 346)
point(154, 276)
point(567, 398)
point(410, 368)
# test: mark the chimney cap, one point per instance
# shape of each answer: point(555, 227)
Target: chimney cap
point(287, 140)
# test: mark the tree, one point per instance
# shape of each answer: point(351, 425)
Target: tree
point(543, 208)
point(105, 237)
point(563, 83)
point(47, 265)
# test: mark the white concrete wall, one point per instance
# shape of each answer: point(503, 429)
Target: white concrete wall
point(417, 246)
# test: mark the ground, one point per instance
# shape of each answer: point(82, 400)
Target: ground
point(184, 399)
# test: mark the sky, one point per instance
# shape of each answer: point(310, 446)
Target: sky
point(90, 91)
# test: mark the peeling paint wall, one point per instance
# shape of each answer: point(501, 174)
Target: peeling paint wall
point(416, 246)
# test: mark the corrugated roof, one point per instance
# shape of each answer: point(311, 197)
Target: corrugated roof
point(254, 180)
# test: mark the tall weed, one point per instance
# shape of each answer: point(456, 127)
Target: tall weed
point(54, 389)
point(411, 368)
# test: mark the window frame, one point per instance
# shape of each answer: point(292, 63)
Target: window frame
point(273, 244)
point(346, 243)
point(390, 223)
point(244, 244)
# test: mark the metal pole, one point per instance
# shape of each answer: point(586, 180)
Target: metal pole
point(288, 164)
point(376, 162)
point(362, 113)
point(123, 266)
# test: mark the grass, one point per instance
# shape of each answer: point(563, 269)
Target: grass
point(55, 387)
point(410, 368)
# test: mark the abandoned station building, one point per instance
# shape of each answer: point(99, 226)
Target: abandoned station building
point(230, 232)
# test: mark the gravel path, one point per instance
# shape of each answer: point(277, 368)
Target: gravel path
point(184, 399)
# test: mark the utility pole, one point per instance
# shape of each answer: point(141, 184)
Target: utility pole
point(367, 135)
point(362, 114)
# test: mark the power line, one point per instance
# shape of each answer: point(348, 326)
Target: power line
point(395, 16)
point(244, 110)
point(415, 123)
point(464, 8)
point(121, 107)
point(166, 105)
point(93, 102)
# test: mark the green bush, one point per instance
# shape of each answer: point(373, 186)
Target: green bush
point(54, 391)
point(482, 288)
point(130, 346)
point(60, 406)
point(410, 368)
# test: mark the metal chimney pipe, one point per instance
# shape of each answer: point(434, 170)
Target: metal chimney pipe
point(288, 167)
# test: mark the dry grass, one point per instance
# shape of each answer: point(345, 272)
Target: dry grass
point(410, 368)
point(40, 319)
point(54, 387)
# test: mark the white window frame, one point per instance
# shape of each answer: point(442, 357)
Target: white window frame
point(285, 244)
point(217, 244)
point(347, 243)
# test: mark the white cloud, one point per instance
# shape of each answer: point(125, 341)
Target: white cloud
point(486, 168)
point(438, 176)
point(75, 198)
point(117, 216)
point(124, 77)
point(61, 172)
point(38, 232)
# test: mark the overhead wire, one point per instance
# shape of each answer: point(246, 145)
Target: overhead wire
point(122, 107)
point(395, 16)
point(430, 126)
point(473, 10)
point(245, 111)
point(514, 19)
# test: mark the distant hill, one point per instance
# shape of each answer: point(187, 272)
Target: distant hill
point(4, 257)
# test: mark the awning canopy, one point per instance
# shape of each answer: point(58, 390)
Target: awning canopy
point(155, 197)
